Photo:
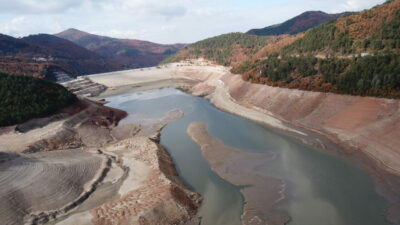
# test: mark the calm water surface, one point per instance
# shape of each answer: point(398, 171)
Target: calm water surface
point(323, 188)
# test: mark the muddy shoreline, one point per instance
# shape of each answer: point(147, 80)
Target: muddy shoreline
point(205, 85)
point(80, 167)
point(261, 194)
point(387, 184)
point(183, 84)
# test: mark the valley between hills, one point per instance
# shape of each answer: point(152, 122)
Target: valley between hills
point(295, 123)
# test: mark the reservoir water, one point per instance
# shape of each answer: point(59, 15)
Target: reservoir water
point(323, 188)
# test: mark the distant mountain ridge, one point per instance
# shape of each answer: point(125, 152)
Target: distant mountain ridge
point(297, 24)
point(126, 52)
point(40, 55)
point(72, 53)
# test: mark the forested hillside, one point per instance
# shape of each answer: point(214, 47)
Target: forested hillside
point(374, 30)
point(38, 55)
point(376, 75)
point(127, 53)
point(225, 49)
point(297, 24)
point(23, 98)
point(358, 54)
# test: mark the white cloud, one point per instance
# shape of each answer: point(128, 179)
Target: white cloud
point(168, 9)
point(357, 5)
point(158, 20)
point(22, 25)
point(37, 6)
point(121, 33)
point(171, 11)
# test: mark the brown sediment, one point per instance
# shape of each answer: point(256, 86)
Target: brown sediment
point(365, 124)
point(151, 193)
point(238, 167)
point(79, 167)
point(157, 197)
point(86, 124)
point(366, 129)
point(182, 84)
point(28, 193)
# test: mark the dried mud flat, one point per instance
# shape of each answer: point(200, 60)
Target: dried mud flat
point(81, 168)
point(34, 185)
point(238, 167)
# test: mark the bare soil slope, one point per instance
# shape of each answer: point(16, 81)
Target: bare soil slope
point(79, 167)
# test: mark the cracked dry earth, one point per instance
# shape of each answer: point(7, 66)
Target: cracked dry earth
point(125, 178)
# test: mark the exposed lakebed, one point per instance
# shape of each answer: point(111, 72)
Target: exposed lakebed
point(320, 187)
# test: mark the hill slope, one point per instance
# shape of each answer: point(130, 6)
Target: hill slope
point(128, 53)
point(227, 49)
point(371, 31)
point(357, 54)
point(297, 24)
point(40, 55)
point(23, 98)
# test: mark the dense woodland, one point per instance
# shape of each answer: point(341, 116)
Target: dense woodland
point(297, 24)
point(23, 98)
point(377, 75)
point(324, 37)
point(353, 61)
point(387, 36)
point(219, 49)
point(358, 54)
point(368, 31)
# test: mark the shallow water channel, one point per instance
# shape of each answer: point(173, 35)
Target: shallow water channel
point(323, 188)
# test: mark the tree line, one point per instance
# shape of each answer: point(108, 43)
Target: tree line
point(23, 98)
point(377, 75)
point(219, 48)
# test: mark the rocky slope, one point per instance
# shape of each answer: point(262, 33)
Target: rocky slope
point(298, 24)
point(128, 53)
point(83, 86)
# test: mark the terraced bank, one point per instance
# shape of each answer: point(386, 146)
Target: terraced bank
point(38, 187)
point(80, 167)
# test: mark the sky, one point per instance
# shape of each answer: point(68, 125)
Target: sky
point(160, 21)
